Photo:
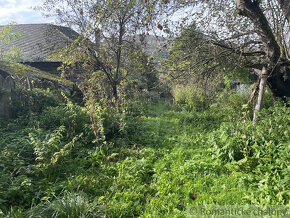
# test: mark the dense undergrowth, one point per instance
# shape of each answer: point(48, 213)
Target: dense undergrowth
point(156, 164)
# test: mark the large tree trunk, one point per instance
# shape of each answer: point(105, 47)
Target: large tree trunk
point(278, 80)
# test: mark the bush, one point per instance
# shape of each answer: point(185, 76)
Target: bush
point(235, 138)
point(230, 105)
point(73, 117)
point(261, 149)
point(16, 167)
point(191, 98)
point(33, 101)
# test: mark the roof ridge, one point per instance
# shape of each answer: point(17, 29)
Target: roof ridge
point(22, 24)
point(63, 32)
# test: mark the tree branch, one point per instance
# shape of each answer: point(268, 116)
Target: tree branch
point(285, 6)
point(252, 10)
point(238, 51)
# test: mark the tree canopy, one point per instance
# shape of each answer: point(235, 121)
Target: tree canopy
point(256, 31)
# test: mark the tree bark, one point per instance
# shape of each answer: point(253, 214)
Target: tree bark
point(285, 6)
point(278, 81)
point(252, 10)
point(97, 39)
point(263, 81)
point(115, 92)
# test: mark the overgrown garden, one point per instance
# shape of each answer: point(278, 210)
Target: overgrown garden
point(202, 120)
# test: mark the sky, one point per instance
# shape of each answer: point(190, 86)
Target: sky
point(21, 12)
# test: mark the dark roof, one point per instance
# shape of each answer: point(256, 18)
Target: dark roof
point(38, 41)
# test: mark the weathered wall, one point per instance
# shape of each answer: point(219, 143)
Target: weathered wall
point(7, 85)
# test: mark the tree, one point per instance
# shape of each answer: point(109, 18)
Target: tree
point(194, 57)
point(5, 38)
point(104, 65)
point(254, 31)
point(276, 51)
point(112, 23)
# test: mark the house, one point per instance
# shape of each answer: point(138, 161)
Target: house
point(37, 42)
point(36, 45)
point(26, 75)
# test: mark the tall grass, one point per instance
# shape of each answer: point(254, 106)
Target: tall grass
point(160, 164)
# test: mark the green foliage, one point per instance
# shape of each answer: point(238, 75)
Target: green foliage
point(33, 101)
point(16, 187)
point(32, 154)
point(70, 205)
point(73, 117)
point(191, 98)
point(141, 74)
point(121, 154)
point(231, 105)
point(268, 100)
point(261, 149)
point(23, 71)
point(5, 37)
point(50, 149)
point(151, 164)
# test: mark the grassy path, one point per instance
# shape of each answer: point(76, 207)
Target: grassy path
point(160, 165)
point(173, 168)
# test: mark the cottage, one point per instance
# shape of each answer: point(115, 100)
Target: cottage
point(37, 42)
point(36, 45)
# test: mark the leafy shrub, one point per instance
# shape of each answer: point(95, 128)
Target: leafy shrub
point(16, 167)
point(13, 213)
point(234, 138)
point(46, 146)
point(136, 107)
point(261, 149)
point(191, 98)
point(230, 105)
point(267, 99)
point(151, 166)
point(74, 118)
point(33, 101)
